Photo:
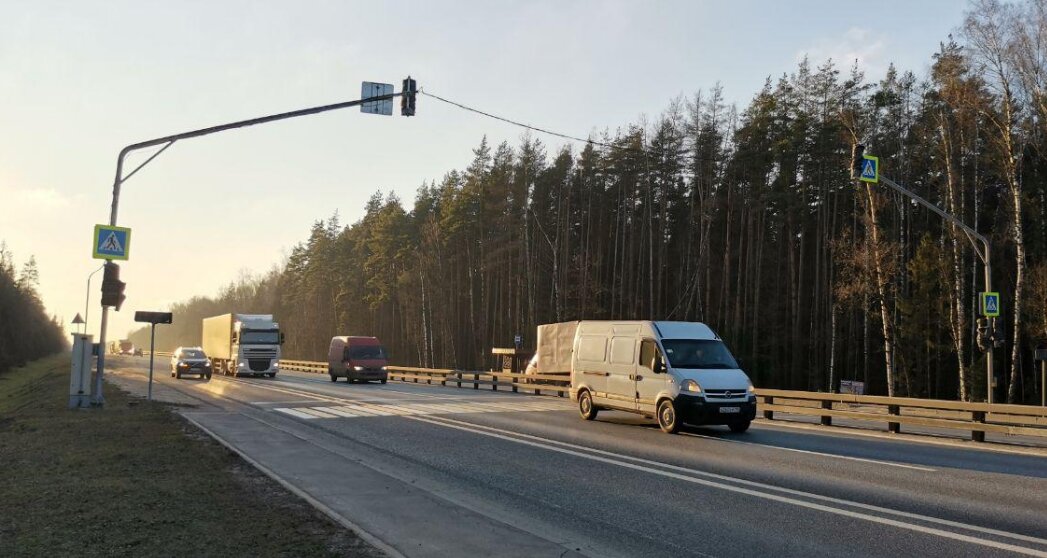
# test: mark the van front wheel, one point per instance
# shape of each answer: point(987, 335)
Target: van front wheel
point(667, 420)
point(739, 427)
point(586, 407)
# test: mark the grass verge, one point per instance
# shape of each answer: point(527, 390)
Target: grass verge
point(135, 479)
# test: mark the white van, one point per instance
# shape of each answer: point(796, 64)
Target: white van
point(676, 372)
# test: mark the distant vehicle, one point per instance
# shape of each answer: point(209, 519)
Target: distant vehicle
point(243, 344)
point(139, 352)
point(190, 360)
point(357, 359)
point(122, 347)
point(675, 372)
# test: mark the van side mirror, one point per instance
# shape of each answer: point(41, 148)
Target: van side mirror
point(659, 367)
point(281, 338)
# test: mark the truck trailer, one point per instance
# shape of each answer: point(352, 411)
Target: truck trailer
point(243, 344)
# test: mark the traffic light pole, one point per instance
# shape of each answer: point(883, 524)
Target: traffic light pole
point(983, 254)
point(167, 141)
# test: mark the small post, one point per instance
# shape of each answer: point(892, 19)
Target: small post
point(769, 415)
point(894, 427)
point(827, 420)
point(458, 375)
point(978, 417)
point(476, 381)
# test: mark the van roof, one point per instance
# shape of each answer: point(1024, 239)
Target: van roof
point(359, 338)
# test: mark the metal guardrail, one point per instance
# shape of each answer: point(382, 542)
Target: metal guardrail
point(539, 384)
point(977, 418)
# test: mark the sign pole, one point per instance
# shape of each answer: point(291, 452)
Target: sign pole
point(152, 350)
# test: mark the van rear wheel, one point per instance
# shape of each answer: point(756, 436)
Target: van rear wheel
point(667, 419)
point(586, 407)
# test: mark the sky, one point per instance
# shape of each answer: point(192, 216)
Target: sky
point(81, 79)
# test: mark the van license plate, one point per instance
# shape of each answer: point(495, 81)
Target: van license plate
point(730, 409)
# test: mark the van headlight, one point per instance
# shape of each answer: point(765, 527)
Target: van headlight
point(752, 389)
point(385, 368)
point(691, 386)
point(358, 368)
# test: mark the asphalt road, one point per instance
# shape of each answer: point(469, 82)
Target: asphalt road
point(432, 471)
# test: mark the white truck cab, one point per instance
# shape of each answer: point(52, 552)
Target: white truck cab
point(676, 372)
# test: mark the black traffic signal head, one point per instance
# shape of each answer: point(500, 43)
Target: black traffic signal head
point(408, 96)
point(112, 286)
point(857, 155)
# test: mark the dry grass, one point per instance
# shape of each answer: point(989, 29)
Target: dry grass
point(135, 479)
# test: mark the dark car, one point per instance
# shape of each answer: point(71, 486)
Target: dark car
point(190, 360)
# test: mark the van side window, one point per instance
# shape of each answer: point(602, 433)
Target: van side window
point(345, 353)
point(649, 354)
point(623, 350)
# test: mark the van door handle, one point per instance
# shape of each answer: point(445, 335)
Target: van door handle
point(592, 373)
point(635, 377)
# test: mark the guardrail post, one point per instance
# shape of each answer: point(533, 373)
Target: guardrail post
point(978, 417)
point(476, 381)
point(513, 383)
point(827, 420)
point(769, 415)
point(494, 383)
point(459, 376)
point(894, 427)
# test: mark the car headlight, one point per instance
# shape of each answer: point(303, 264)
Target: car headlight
point(385, 368)
point(208, 362)
point(752, 389)
point(691, 386)
point(358, 368)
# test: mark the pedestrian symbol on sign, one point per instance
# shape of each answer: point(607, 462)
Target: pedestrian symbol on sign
point(111, 244)
point(991, 304)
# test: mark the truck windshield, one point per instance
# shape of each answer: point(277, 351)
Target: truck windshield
point(262, 337)
point(366, 352)
point(698, 353)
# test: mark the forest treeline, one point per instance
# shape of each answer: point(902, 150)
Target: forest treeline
point(26, 331)
point(744, 218)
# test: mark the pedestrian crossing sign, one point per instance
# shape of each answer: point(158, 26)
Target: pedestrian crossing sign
point(111, 243)
point(870, 169)
point(991, 304)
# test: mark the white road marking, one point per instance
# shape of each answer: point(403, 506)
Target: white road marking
point(316, 411)
point(818, 453)
point(294, 413)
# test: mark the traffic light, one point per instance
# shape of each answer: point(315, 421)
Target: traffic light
point(857, 156)
point(407, 98)
point(112, 286)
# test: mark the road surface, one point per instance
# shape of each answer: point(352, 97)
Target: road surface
point(434, 471)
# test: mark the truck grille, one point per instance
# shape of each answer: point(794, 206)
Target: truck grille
point(258, 364)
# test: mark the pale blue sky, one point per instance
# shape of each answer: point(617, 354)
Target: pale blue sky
point(79, 80)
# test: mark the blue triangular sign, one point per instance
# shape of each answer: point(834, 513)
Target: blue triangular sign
point(868, 169)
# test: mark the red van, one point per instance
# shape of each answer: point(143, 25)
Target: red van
point(357, 358)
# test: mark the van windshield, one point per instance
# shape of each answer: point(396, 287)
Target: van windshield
point(366, 352)
point(698, 353)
